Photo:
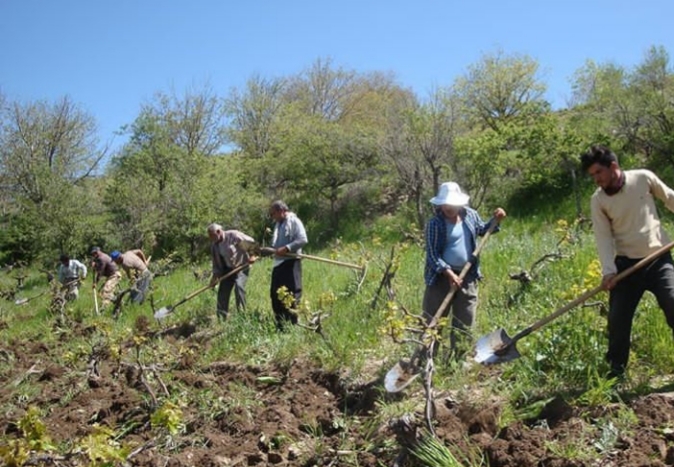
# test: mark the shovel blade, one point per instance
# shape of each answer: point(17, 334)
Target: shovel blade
point(496, 347)
point(21, 301)
point(163, 312)
point(399, 377)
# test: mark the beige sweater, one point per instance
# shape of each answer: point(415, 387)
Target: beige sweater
point(132, 261)
point(627, 223)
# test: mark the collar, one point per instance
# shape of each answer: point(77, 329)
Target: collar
point(615, 189)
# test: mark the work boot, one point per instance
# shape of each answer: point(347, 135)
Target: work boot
point(617, 373)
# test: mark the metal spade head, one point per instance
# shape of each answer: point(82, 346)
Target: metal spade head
point(496, 347)
point(21, 301)
point(163, 312)
point(399, 377)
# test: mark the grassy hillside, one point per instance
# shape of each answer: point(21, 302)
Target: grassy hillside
point(563, 360)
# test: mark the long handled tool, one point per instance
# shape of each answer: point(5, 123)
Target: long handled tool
point(325, 260)
point(404, 372)
point(96, 299)
point(268, 251)
point(498, 347)
point(163, 312)
point(23, 301)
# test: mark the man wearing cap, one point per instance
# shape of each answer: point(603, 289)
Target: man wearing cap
point(104, 267)
point(70, 274)
point(134, 264)
point(451, 239)
point(228, 253)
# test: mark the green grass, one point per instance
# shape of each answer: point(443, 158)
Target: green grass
point(564, 358)
point(564, 352)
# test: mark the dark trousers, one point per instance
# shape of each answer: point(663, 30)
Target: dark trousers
point(658, 278)
point(288, 274)
point(463, 307)
point(236, 282)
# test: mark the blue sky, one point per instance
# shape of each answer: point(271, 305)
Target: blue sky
point(110, 56)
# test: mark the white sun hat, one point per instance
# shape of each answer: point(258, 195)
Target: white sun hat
point(450, 194)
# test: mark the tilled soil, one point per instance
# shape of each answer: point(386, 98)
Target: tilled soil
point(235, 415)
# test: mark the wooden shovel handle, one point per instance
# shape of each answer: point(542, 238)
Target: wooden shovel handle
point(210, 286)
point(592, 292)
point(325, 260)
point(464, 272)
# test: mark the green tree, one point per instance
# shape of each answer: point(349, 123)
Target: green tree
point(253, 117)
point(652, 88)
point(47, 153)
point(314, 135)
point(500, 88)
point(631, 110)
point(161, 194)
point(420, 144)
point(252, 114)
point(329, 132)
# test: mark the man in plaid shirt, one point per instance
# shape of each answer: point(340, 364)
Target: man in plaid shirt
point(451, 239)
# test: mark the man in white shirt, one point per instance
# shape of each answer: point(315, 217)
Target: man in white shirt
point(71, 273)
point(627, 228)
point(289, 237)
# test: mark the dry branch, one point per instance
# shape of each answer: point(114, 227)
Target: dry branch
point(30, 371)
point(386, 280)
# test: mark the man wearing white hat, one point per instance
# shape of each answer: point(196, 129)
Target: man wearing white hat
point(451, 239)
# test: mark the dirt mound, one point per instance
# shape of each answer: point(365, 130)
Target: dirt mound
point(226, 414)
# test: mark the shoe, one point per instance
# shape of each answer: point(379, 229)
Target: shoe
point(616, 373)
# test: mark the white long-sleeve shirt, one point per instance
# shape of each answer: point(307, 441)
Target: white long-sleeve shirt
point(74, 270)
point(627, 223)
point(289, 233)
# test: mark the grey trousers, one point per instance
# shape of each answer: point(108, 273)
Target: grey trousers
point(140, 287)
point(462, 307)
point(238, 283)
point(657, 278)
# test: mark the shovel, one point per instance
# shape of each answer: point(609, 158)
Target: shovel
point(324, 260)
point(404, 372)
point(96, 299)
point(23, 301)
point(163, 312)
point(498, 347)
point(256, 249)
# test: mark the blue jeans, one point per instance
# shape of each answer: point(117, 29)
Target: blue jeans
point(658, 278)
